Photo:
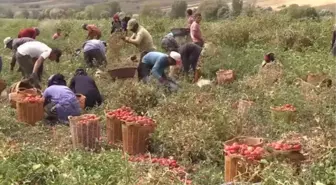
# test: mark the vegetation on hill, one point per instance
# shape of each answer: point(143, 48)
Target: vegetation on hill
point(194, 122)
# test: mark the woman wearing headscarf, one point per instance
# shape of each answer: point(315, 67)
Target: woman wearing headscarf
point(81, 83)
point(60, 101)
point(116, 24)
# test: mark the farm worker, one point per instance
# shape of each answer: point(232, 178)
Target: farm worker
point(95, 49)
point(195, 30)
point(140, 38)
point(156, 63)
point(29, 32)
point(31, 55)
point(268, 58)
point(116, 24)
point(169, 43)
point(190, 54)
point(190, 18)
point(124, 20)
point(60, 101)
point(57, 34)
point(333, 44)
point(83, 84)
point(93, 31)
point(13, 44)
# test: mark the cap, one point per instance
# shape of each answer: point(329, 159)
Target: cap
point(131, 23)
point(6, 41)
point(122, 15)
point(176, 56)
point(58, 54)
point(84, 26)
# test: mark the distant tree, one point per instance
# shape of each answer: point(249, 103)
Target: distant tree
point(8, 13)
point(237, 7)
point(113, 7)
point(34, 14)
point(223, 12)
point(56, 13)
point(21, 14)
point(209, 8)
point(150, 10)
point(104, 14)
point(178, 9)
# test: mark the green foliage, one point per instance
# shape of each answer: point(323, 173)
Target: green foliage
point(113, 7)
point(209, 8)
point(223, 12)
point(151, 10)
point(299, 12)
point(178, 9)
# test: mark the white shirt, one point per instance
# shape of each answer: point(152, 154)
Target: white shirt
point(35, 49)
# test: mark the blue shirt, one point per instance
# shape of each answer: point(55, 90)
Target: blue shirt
point(94, 44)
point(158, 61)
point(65, 100)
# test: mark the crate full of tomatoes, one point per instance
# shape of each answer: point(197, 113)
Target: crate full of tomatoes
point(29, 108)
point(114, 122)
point(284, 113)
point(136, 132)
point(85, 131)
point(241, 155)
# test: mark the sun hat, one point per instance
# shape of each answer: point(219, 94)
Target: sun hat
point(6, 41)
point(131, 23)
point(176, 56)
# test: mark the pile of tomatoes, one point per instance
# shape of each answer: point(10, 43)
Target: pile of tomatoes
point(126, 114)
point(285, 146)
point(87, 118)
point(164, 162)
point(33, 99)
point(248, 152)
point(286, 107)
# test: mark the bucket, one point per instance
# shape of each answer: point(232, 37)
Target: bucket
point(123, 73)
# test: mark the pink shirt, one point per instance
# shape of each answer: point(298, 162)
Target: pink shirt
point(195, 32)
point(190, 20)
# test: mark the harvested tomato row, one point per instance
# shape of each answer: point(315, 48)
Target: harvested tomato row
point(285, 146)
point(126, 114)
point(286, 107)
point(249, 152)
point(33, 99)
point(170, 163)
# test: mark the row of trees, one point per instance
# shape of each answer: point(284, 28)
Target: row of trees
point(210, 9)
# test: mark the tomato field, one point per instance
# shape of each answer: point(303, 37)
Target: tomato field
point(192, 125)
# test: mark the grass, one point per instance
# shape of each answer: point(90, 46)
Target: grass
point(194, 122)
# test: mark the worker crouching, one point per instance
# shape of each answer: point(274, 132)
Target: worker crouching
point(155, 63)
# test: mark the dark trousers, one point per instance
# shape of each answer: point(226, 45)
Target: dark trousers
point(96, 54)
point(26, 64)
point(190, 60)
point(143, 69)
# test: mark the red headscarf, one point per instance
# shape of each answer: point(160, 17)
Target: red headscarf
point(116, 17)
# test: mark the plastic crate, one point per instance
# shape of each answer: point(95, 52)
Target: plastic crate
point(113, 129)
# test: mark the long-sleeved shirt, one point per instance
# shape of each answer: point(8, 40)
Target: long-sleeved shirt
point(65, 100)
point(94, 44)
point(28, 32)
point(16, 43)
point(85, 85)
point(93, 32)
point(142, 40)
point(158, 61)
point(195, 32)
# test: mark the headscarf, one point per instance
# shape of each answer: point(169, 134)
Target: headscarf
point(80, 71)
point(116, 17)
point(56, 79)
